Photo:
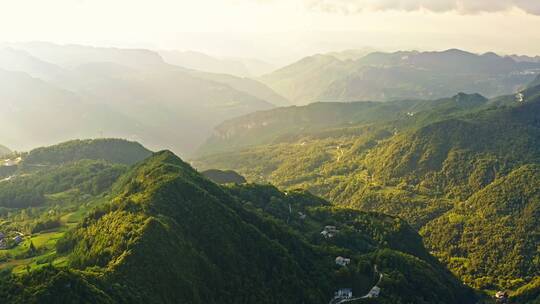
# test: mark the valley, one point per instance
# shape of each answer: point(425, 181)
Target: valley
point(146, 175)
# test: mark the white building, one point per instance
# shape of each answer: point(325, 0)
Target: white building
point(344, 293)
point(341, 261)
point(331, 229)
point(520, 97)
point(329, 232)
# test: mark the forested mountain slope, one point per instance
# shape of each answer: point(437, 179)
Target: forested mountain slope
point(285, 124)
point(167, 234)
point(89, 166)
point(223, 177)
point(425, 168)
point(494, 233)
point(111, 150)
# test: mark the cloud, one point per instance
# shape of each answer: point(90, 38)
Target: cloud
point(461, 6)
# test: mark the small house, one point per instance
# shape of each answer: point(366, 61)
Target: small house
point(326, 234)
point(3, 244)
point(329, 232)
point(2, 235)
point(344, 293)
point(332, 229)
point(341, 261)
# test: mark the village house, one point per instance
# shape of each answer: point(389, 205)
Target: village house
point(331, 229)
point(520, 97)
point(329, 232)
point(341, 261)
point(344, 293)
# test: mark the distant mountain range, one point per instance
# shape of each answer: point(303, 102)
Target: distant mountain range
point(522, 58)
point(400, 75)
point(80, 92)
point(202, 62)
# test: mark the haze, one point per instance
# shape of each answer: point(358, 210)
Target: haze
point(278, 31)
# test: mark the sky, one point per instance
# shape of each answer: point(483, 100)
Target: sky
point(278, 30)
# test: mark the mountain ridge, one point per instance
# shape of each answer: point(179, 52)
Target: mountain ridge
point(399, 75)
point(419, 166)
point(201, 230)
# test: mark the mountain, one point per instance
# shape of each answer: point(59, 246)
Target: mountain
point(110, 150)
point(4, 151)
point(400, 75)
point(90, 166)
point(167, 99)
point(352, 54)
point(523, 58)
point(30, 103)
point(165, 234)
point(277, 125)
point(223, 177)
point(461, 170)
point(246, 85)
point(535, 83)
point(199, 61)
point(305, 81)
point(32, 187)
point(115, 93)
point(70, 56)
point(17, 60)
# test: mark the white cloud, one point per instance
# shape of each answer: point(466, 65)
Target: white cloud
point(461, 6)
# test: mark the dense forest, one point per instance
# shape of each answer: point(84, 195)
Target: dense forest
point(163, 233)
point(462, 171)
point(112, 150)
